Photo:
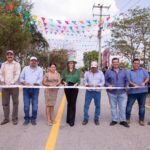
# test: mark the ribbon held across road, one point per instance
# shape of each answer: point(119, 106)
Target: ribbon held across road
point(68, 87)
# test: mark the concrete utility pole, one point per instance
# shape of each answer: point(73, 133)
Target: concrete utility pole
point(100, 7)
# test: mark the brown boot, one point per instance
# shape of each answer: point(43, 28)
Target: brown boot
point(15, 122)
point(141, 123)
point(4, 121)
point(128, 121)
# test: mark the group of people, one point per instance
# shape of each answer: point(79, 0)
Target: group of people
point(32, 75)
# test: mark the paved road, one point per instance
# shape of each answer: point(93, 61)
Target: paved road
point(79, 137)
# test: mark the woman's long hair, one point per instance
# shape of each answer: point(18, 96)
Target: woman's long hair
point(68, 70)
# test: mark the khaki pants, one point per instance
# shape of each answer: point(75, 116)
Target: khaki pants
point(6, 94)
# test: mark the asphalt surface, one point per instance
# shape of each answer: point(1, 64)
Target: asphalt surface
point(79, 137)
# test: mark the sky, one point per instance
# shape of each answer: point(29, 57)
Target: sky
point(82, 9)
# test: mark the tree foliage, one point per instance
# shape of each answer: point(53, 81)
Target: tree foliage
point(18, 29)
point(88, 57)
point(131, 35)
point(59, 58)
point(12, 32)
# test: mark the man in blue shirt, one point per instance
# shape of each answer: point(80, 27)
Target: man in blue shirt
point(93, 78)
point(31, 75)
point(149, 84)
point(137, 76)
point(117, 77)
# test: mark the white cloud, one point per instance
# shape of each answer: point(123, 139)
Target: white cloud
point(69, 9)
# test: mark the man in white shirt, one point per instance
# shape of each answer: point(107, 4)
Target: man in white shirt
point(31, 75)
point(9, 75)
point(93, 78)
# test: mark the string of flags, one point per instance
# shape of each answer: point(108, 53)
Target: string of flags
point(70, 27)
point(80, 29)
point(45, 25)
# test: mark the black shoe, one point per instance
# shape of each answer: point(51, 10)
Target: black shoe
point(15, 122)
point(67, 121)
point(113, 123)
point(148, 123)
point(96, 122)
point(125, 124)
point(71, 124)
point(33, 122)
point(84, 122)
point(4, 121)
point(26, 122)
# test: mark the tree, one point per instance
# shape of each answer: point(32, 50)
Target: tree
point(130, 35)
point(12, 34)
point(18, 29)
point(38, 41)
point(88, 57)
point(60, 58)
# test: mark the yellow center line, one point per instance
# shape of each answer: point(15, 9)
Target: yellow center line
point(55, 128)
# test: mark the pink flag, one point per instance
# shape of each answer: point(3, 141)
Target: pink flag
point(7, 8)
point(59, 21)
point(67, 22)
point(43, 19)
point(108, 18)
point(45, 24)
point(64, 27)
point(76, 27)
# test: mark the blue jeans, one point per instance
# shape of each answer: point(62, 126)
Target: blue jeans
point(141, 98)
point(88, 98)
point(30, 95)
point(120, 101)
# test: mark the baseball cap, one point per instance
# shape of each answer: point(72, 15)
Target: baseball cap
point(9, 51)
point(33, 58)
point(94, 64)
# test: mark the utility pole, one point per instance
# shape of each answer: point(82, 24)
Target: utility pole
point(100, 7)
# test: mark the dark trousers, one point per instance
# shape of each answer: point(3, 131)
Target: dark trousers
point(71, 95)
point(30, 96)
point(6, 94)
point(141, 98)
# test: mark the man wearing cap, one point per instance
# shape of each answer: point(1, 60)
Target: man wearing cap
point(31, 75)
point(93, 78)
point(9, 75)
point(117, 77)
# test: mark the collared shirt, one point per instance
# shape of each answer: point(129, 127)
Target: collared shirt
point(9, 72)
point(32, 75)
point(138, 77)
point(114, 79)
point(73, 78)
point(95, 79)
